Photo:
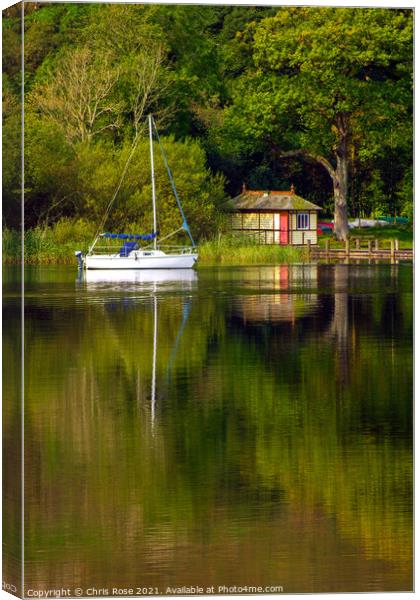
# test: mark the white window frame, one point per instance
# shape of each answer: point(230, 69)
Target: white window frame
point(305, 217)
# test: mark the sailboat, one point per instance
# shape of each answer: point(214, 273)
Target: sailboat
point(129, 254)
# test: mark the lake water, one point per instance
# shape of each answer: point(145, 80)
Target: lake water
point(231, 427)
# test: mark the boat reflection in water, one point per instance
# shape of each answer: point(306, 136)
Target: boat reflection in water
point(151, 283)
point(126, 280)
point(139, 276)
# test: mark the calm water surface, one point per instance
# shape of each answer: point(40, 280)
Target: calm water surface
point(238, 426)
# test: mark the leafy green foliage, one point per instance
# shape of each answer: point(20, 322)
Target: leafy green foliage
point(405, 194)
point(320, 75)
point(249, 83)
point(200, 191)
point(50, 171)
point(81, 180)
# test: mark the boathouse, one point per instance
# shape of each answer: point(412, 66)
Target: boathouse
point(274, 217)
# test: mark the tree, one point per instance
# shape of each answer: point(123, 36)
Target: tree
point(138, 49)
point(50, 172)
point(41, 39)
point(323, 78)
point(12, 154)
point(99, 170)
point(146, 83)
point(105, 83)
point(12, 170)
point(78, 95)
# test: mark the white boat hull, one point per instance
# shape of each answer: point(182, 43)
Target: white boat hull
point(154, 259)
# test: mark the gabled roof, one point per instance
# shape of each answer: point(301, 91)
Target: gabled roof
point(269, 200)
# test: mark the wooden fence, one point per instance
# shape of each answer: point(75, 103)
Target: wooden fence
point(362, 249)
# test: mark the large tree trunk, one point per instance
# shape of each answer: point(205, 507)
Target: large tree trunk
point(340, 180)
point(339, 174)
point(341, 226)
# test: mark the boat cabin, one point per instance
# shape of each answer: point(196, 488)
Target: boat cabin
point(275, 217)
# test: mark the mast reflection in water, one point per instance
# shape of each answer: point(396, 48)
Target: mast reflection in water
point(250, 426)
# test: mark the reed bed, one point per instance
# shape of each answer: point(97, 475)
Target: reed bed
point(57, 246)
point(238, 250)
point(42, 246)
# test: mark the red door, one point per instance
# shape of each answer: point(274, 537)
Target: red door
point(284, 228)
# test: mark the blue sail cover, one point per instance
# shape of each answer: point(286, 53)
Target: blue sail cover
point(128, 248)
point(130, 236)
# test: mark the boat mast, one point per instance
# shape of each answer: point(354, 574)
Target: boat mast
point(152, 165)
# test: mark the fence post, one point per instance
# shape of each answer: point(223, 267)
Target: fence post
point(357, 243)
point(370, 247)
point(397, 245)
point(392, 250)
point(376, 245)
point(347, 243)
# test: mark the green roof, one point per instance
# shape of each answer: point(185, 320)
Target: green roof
point(269, 200)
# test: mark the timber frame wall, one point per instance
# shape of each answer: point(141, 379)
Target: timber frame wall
point(271, 235)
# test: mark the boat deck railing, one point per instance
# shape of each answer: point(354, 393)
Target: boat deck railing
point(168, 249)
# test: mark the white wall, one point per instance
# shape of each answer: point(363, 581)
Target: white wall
point(302, 237)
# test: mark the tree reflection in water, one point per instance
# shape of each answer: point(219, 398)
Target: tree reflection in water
point(281, 446)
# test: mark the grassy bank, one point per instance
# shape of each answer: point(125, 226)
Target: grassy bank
point(41, 247)
point(57, 246)
point(384, 235)
point(234, 250)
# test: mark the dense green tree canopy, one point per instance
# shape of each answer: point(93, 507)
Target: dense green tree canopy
point(325, 83)
point(321, 97)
